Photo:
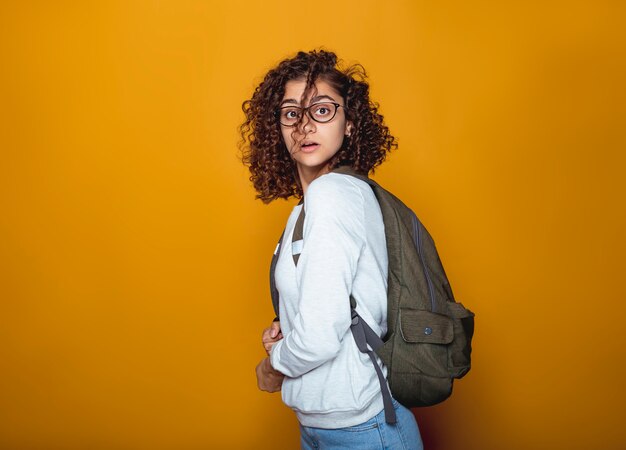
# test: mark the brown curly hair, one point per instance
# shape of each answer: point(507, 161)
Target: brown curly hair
point(273, 171)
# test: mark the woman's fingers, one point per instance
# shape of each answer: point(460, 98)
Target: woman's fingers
point(272, 333)
point(271, 336)
point(269, 344)
point(275, 329)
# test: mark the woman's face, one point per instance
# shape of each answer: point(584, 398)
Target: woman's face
point(312, 144)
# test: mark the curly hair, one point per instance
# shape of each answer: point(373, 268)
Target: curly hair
point(273, 171)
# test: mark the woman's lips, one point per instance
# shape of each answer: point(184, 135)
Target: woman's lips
point(309, 148)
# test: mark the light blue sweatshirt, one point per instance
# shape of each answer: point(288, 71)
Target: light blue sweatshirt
point(328, 382)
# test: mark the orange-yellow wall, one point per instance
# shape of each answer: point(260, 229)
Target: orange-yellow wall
point(133, 256)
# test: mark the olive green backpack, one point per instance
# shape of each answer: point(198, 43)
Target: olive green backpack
point(428, 342)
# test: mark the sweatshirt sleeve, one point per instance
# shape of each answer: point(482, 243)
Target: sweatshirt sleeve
point(334, 236)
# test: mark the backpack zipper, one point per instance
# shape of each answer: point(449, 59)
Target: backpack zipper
point(417, 231)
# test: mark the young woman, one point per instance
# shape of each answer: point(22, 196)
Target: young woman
point(306, 118)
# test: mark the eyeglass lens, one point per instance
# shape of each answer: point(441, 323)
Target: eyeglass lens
point(320, 112)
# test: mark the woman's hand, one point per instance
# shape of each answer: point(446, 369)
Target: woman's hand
point(271, 336)
point(268, 379)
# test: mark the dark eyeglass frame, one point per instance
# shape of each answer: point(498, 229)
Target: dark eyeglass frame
point(307, 111)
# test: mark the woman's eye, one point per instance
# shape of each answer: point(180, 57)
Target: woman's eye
point(290, 114)
point(322, 110)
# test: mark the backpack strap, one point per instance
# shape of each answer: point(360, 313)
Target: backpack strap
point(363, 335)
point(361, 331)
point(273, 288)
point(298, 235)
point(347, 170)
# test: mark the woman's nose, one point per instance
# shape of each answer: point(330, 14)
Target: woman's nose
point(307, 125)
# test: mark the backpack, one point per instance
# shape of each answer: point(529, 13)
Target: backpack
point(428, 342)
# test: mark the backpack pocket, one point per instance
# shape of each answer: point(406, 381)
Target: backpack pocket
point(427, 336)
point(420, 326)
point(461, 348)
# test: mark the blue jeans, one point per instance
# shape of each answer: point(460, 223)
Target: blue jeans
point(375, 434)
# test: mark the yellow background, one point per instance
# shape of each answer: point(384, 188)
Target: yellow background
point(133, 256)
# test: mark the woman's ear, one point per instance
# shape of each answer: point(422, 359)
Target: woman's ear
point(348, 131)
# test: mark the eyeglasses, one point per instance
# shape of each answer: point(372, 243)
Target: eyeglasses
point(319, 112)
